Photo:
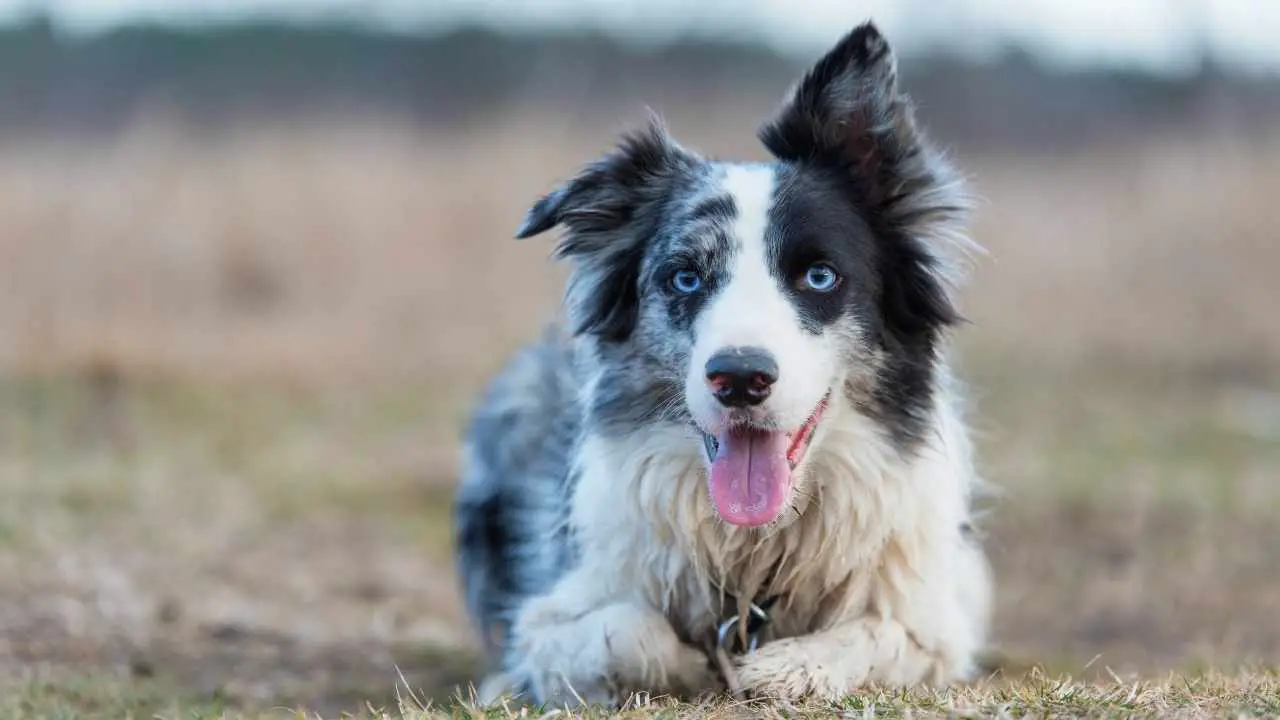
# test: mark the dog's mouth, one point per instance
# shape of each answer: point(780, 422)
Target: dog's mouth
point(752, 468)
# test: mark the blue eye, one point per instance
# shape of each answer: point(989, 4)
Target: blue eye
point(686, 282)
point(821, 278)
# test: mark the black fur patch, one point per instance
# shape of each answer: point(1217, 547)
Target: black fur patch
point(611, 209)
point(848, 124)
point(812, 221)
point(714, 210)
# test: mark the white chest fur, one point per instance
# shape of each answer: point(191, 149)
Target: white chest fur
point(866, 521)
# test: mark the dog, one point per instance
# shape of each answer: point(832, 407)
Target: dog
point(738, 459)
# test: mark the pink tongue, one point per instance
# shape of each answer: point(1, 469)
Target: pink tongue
point(750, 477)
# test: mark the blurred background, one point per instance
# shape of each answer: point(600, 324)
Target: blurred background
point(256, 260)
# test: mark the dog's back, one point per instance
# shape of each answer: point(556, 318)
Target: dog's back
point(510, 513)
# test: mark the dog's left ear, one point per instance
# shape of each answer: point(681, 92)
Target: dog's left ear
point(847, 115)
point(847, 111)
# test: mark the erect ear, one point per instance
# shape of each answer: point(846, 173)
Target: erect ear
point(610, 210)
point(847, 111)
point(848, 115)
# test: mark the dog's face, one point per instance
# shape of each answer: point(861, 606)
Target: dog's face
point(745, 300)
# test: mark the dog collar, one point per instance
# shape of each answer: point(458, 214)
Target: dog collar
point(736, 636)
point(734, 633)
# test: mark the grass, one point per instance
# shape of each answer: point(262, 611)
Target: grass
point(1209, 695)
point(234, 372)
point(1037, 696)
point(96, 697)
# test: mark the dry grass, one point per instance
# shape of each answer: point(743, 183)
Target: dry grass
point(235, 368)
point(1035, 696)
point(368, 247)
point(1210, 695)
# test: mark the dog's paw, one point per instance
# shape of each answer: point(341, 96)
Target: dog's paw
point(601, 694)
point(607, 655)
point(795, 669)
point(496, 686)
point(553, 689)
point(776, 671)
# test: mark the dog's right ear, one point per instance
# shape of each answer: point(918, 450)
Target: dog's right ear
point(611, 192)
point(544, 215)
point(610, 209)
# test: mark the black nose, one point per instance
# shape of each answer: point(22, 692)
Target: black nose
point(742, 376)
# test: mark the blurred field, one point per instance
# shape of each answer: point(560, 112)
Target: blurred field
point(236, 363)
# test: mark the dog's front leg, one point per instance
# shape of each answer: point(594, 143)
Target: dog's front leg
point(569, 647)
point(908, 634)
point(833, 663)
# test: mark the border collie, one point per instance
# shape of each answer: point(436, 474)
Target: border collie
point(738, 462)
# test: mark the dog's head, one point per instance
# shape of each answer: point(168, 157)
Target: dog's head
point(750, 301)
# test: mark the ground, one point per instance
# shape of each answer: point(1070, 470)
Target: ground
point(232, 413)
point(255, 547)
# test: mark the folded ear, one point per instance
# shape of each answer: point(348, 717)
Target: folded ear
point(847, 115)
point(544, 215)
point(608, 193)
point(610, 209)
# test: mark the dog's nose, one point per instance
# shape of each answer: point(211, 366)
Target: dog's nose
point(741, 376)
